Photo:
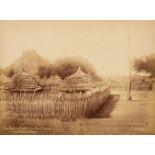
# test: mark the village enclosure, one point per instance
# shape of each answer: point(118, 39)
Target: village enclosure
point(77, 77)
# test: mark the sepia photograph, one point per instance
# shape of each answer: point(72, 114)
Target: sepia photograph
point(82, 77)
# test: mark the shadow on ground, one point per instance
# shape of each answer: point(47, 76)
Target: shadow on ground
point(105, 110)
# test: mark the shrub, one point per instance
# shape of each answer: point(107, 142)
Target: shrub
point(46, 71)
point(10, 73)
point(66, 67)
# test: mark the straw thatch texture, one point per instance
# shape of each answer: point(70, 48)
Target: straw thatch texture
point(22, 82)
point(3, 79)
point(53, 83)
point(79, 81)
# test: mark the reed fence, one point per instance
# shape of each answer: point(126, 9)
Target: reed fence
point(47, 105)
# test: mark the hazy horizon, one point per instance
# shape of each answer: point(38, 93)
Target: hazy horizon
point(102, 43)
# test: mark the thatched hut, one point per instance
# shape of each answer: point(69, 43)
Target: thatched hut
point(141, 81)
point(53, 83)
point(78, 82)
point(153, 83)
point(22, 82)
point(3, 79)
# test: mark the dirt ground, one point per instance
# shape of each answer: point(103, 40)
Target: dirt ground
point(125, 117)
point(116, 116)
point(119, 116)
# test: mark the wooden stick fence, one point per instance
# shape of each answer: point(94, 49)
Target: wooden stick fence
point(60, 106)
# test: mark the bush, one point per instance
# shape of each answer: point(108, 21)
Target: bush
point(66, 67)
point(10, 73)
point(146, 64)
point(46, 71)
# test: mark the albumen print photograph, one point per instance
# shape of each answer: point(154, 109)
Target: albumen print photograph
point(77, 77)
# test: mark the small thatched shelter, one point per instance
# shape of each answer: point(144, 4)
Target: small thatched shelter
point(153, 83)
point(53, 83)
point(141, 81)
point(78, 82)
point(3, 79)
point(22, 82)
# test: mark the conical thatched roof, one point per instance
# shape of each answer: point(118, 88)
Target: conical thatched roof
point(79, 81)
point(78, 73)
point(55, 80)
point(4, 79)
point(53, 83)
point(22, 82)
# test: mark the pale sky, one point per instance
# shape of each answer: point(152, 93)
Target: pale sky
point(103, 43)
